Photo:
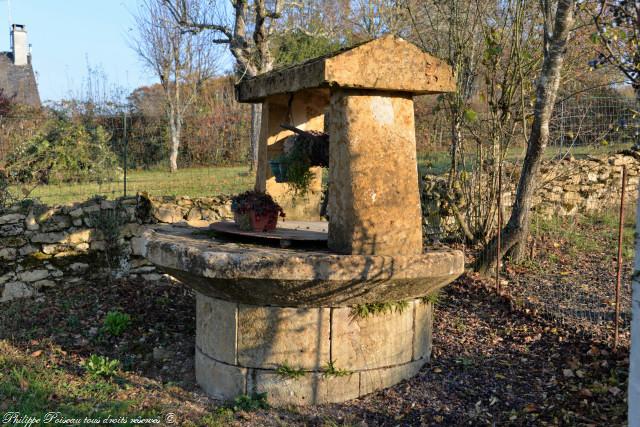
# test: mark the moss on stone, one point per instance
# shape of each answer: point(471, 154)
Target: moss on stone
point(12, 242)
point(75, 257)
point(34, 259)
point(362, 311)
point(37, 258)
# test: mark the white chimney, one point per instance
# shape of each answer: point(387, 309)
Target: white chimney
point(19, 45)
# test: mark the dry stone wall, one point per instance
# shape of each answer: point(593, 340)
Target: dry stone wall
point(566, 187)
point(586, 185)
point(43, 247)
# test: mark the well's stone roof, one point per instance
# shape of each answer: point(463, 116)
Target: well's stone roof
point(18, 81)
point(389, 63)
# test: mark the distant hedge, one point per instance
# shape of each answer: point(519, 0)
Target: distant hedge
point(64, 152)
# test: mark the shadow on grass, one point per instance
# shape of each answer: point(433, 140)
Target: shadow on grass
point(45, 342)
point(33, 385)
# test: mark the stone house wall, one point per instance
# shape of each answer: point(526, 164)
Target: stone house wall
point(43, 247)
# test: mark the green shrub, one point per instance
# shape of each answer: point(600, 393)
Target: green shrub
point(64, 152)
point(250, 403)
point(101, 366)
point(115, 323)
point(296, 46)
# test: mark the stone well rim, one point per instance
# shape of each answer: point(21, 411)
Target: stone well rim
point(254, 274)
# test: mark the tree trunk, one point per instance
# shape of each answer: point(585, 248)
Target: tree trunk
point(456, 140)
point(175, 128)
point(256, 120)
point(514, 235)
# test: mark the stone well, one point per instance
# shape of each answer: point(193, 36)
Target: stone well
point(301, 323)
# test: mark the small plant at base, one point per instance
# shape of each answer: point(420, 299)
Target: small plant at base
point(362, 311)
point(101, 366)
point(115, 323)
point(221, 417)
point(287, 371)
point(433, 298)
point(250, 403)
point(330, 370)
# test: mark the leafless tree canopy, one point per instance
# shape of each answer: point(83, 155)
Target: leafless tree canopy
point(182, 61)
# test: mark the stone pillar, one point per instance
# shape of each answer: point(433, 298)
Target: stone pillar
point(305, 111)
point(374, 200)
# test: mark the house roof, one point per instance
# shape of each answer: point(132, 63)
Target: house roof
point(389, 63)
point(18, 81)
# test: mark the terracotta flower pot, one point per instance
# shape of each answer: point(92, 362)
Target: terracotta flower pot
point(251, 221)
point(264, 222)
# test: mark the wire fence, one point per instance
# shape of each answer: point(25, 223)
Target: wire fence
point(568, 269)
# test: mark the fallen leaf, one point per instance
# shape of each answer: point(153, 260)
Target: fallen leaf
point(36, 353)
point(585, 392)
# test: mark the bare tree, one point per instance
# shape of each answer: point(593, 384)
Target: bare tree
point(617, 36)
point(556, 38)
point(452, 30)
point(368, 19)
point(247, 34)
point(182, 61)
point(496, 118)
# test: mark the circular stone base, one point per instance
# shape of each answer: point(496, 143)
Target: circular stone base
point(305, 356)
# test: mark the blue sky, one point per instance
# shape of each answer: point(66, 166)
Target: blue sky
point(67, 35)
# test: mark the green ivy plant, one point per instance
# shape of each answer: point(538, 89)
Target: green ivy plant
point(299, 175)
point(251, 402)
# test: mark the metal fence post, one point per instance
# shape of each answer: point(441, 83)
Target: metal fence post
point(126, 144)
point(499, 236)
point(619, 272)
